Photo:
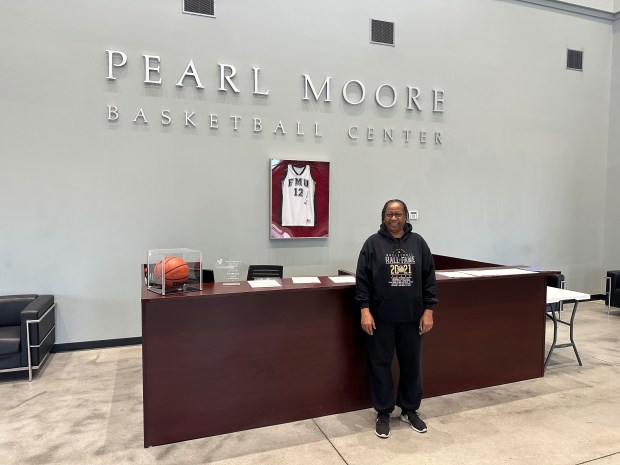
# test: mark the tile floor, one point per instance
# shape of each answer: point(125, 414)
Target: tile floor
point(85, 407)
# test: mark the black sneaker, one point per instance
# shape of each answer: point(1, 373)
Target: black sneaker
point(414, 420)
point(382, 427)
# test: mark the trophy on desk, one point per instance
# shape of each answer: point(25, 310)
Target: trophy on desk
point(230, 271)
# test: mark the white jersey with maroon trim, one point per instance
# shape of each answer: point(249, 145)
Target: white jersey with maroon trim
point(298, 196)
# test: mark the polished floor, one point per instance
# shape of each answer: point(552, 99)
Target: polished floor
point(85, 407)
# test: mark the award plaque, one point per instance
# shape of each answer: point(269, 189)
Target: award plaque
point(230, 271)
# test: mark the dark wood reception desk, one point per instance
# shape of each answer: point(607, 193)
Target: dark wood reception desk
point(230, 358)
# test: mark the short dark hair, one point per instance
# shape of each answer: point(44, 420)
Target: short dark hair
point(392, 201)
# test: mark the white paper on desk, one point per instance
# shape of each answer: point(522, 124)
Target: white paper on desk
point(342, 279)
point(510, 271)
point(305, 280)
point(264, 283)
point(498, 272)
point(454, 274)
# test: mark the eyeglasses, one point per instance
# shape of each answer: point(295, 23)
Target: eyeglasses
point(396, 214)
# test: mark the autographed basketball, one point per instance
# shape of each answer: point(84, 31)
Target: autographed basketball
point(174, 270)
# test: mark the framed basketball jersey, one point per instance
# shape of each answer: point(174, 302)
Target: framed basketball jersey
point(299, 199)
point(298, 189)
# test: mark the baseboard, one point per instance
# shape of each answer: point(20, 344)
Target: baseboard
point(67, 347)
point(598, 297)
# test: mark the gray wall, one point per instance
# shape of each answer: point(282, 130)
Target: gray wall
point(611, 259)
point(519, 179)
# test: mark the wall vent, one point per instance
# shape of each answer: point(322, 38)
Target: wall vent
point(381, 32)
point(199, 7)
point(574, 59)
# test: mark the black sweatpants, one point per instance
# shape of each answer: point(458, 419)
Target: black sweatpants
point(406, 339)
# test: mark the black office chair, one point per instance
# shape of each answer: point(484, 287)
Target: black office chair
point(612, 289)
point(207, 276)
point(555, 280)
point(265, 272)
point(27, 331)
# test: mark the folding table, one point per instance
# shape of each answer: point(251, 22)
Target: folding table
point(555, 295)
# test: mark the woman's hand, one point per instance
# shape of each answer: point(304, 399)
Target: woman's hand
point(368, 322)
point(426, 322)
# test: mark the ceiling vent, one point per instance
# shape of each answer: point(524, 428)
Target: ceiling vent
point(381, 32)
point(574, 59)
point(199, 7)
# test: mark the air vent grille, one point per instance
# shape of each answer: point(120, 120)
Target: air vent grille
point(381, 32)
point(574, 59)
point(199, 7)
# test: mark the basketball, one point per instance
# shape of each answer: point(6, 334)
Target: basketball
point(175, 271)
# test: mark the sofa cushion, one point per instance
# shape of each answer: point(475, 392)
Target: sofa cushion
point(9, 340)
point(11, 307)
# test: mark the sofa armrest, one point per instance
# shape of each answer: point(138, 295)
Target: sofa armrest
point(35, 311)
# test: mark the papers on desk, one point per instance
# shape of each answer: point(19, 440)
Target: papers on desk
point(454, 274)
point(497, 272)
point(342, 279)
point(483, 273)
point(264, 283)
point(305, 280)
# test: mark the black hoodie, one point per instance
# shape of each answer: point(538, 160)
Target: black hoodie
point(395, 277)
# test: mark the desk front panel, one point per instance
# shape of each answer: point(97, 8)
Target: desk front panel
point(487, 331)
point(232, 358)
point(238, 360)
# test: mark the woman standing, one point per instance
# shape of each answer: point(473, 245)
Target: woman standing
point(396, 291)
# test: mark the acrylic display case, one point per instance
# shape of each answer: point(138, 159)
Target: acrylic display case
point(173, 270)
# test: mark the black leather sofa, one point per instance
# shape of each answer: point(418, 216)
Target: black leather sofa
point(27, 331)
point(612, 289)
